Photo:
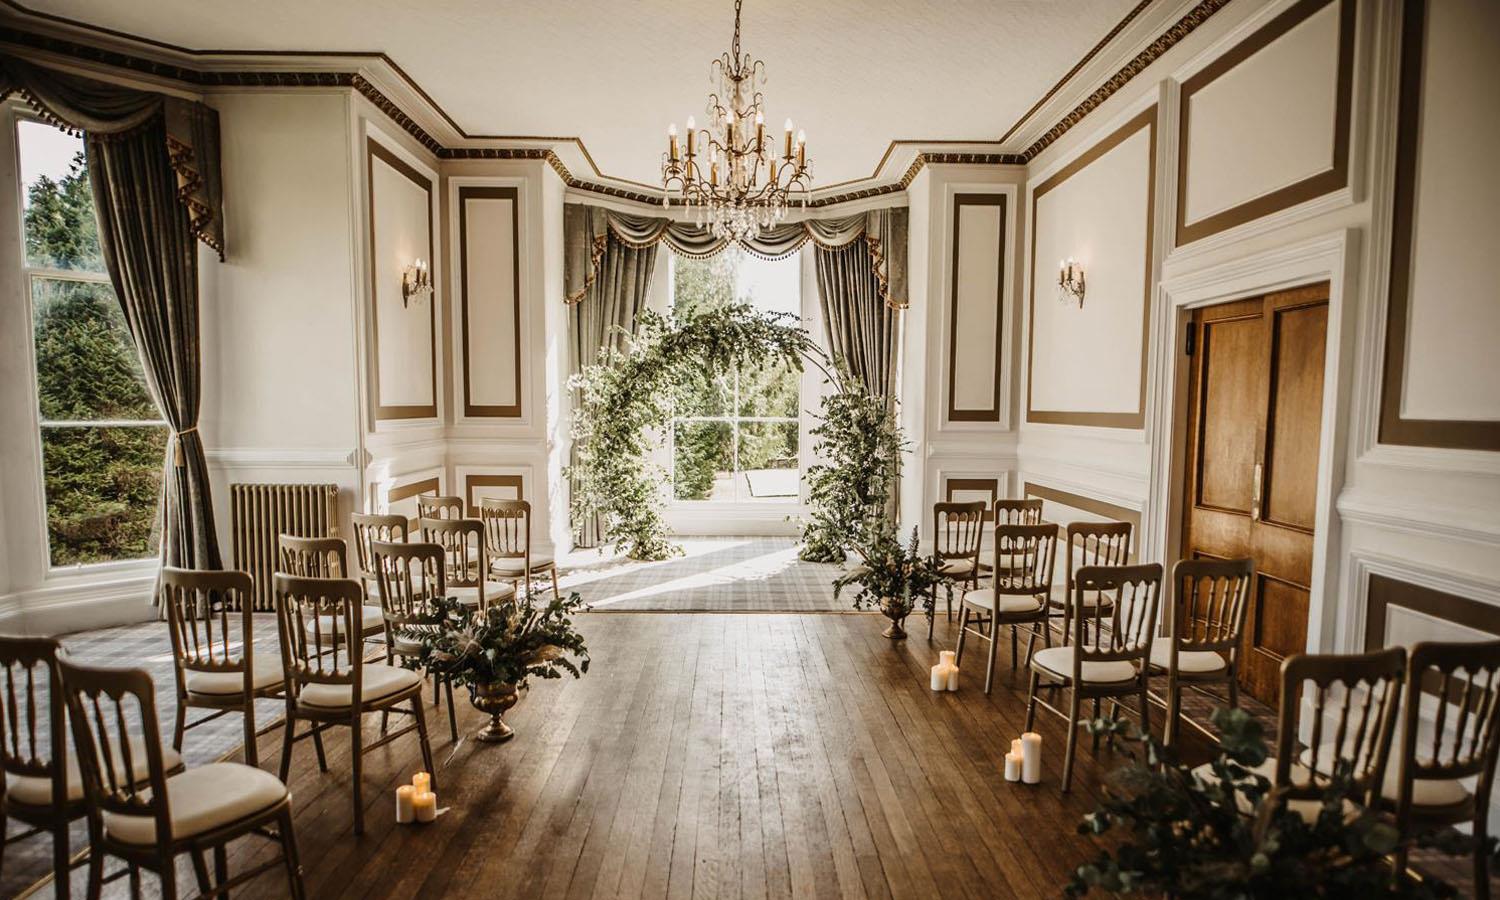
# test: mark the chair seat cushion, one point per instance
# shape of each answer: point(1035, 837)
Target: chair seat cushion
point(1309, 810)
point(201, 800)
point(377, 681)
point(267, 668)
point(984, 599)
point(406, 646)
point(957, 567)
point(38, 791)
point(371, 620)
point(1058, 662)
point(1425, 792)
point(514, 566)
point(1060, 598)
point(1190, 661)
point(493, 590)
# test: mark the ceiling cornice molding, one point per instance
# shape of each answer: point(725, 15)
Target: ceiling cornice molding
point(388, 88)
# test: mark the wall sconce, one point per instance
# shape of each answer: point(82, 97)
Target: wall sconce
point(1070, 281)
point(416, 283)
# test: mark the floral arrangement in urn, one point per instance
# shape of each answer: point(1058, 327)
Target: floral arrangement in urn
point(497, 650)
point(892, 577)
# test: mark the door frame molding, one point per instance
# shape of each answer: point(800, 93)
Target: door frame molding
point(1327, 257)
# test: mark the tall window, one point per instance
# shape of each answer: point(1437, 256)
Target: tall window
point(735, 438)
point(103, 440)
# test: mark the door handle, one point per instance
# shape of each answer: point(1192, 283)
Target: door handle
point(1255, 493)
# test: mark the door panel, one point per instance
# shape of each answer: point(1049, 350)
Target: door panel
point(1254, 413)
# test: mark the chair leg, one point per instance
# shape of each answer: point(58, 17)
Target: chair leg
point(1072, 750)
point(1013, 648)
point(1031, 700)
point(200, 869)
point(252, 753)
point(180, 725)
point(167, 874)
point(1094, 748)
point(423, 742)
point(61, 856)
point(221, 868)
point(135, 882)
point(1481, 855)
point(932, 615)
point(287, 727)
point(96, 875)
point(289, 855)
point(452, 716)
point(1174, 711)
point(556, 592)
point(1234, 687)
point(357, 750)
point(989, 665)
point(1145, 712)
point(963, 629)
point(318, 745)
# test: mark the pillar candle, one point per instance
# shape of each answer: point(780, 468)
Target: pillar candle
point(939, 677)
point(422, 782)
point(424, 805)
point(1015, 746)
point(948, 657)
point(1012, 767)
point(404, 810)
point(953, 678)
point(1031, 757)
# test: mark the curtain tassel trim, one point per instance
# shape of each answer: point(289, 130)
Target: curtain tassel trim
point(177, 458)
point(189, 188)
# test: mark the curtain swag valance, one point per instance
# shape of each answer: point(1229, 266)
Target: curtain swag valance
point(110, 112)
point(588, 229)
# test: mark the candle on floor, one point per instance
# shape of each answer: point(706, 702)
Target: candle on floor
point(425, 806)
point(939, 677)
point(422, 782)
point(949, 658)
point(1031, 757)
point(1015, 746)
point(1013, 766)
point(405, 811)
point(953, 678)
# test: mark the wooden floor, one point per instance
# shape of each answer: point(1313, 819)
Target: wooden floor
point(712, 756)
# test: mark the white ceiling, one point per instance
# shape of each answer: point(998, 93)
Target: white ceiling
point(855, 73)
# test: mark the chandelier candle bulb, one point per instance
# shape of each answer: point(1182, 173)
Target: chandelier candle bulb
point(405, 810)
point(424, 806)
point(1013, 766)
point(788, 153)
point(1031, 757)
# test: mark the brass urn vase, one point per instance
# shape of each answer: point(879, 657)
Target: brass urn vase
point(495, 699)
point(895, 609)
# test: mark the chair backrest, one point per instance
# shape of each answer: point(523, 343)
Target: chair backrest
point(409, 576)
point(434, 506)
point(1096, 544)
point(313, 615)
point(1358, 695)
point(1018, 512)
point(1123, 629)
point(1465, 735)
point(101, 701)
point(958, 530)
point(1035, 546)
point(204, 610)
point(371, 527)
point(1210, 598)
point(507, 528)
point(462, 540)
point(312, 557)
point(33, 739)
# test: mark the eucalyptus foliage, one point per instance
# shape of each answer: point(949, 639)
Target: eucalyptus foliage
point(625, 402)
point(892, 577)
point(859, 442)
point(1187, 838)
point(507, 642)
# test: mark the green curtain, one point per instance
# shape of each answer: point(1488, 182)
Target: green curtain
point(153, 164)
point(860, 327)
point(605, 316)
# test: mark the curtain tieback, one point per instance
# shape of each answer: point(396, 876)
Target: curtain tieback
point(177, 446)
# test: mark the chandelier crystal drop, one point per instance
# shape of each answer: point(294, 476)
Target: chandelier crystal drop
point(728, 174)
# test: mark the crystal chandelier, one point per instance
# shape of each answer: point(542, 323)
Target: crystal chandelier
point(728, 174)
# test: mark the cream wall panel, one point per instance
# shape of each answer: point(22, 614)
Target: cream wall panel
point(1453, 317)
point(1268, 122)
point(981, 230)
point(1088, 358)
point(490, 301)
point(402, 223)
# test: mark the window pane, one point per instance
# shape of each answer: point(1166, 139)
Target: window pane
point(768, 461)
point(703, 284)
point(61, 232)
point(770, 391)
point(102, 488)
point(86, 364)
point(706, 393)
point(703, 461)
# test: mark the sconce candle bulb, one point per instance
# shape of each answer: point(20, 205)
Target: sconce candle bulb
point(1070, 282)
point(416, 283)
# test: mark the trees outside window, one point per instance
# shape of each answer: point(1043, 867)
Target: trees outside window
point(734, 437)
point(103, 439)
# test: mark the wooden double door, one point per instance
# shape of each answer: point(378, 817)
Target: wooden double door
point(1254, 414)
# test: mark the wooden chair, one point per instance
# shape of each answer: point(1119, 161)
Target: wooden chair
point(957, 532)
point(1089, 544)
point(411, 575)
point(1019, 595)
point(1205, 623)
point(1463, 741)
point(215, 668)
point(1116, 664)
point(1013, 512)
point(465, 561)
point(326, 557)
point(371, 527)
point(1358, 695)
point(434, 506)
point(326, 689)
point(507, 542)
point(149, 822)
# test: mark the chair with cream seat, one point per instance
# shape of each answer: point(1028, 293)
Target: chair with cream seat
point(1460, 684)
point(465, 562)
point(1205, 621)
point(507, 544)
point(371, 527)
point(1356, 694)
point(957, 533)
point(326, 557)
point(436, 506)
point(1026, 511)
point(216, 668)
point(148, 822)
point(327, 688)
point(410, 576)
point(1116, 663)
point(1088, 544)
point(1018, 596)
